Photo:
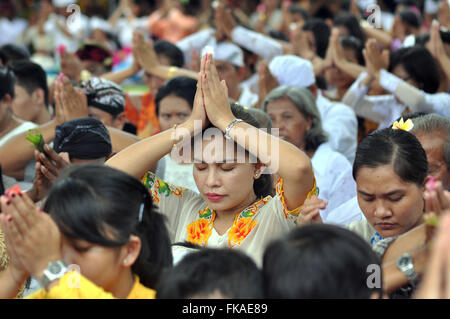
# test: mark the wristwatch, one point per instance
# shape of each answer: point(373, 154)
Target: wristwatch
point(55, 270)
point(405, 264)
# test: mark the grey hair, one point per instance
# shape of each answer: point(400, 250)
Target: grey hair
point(305, 103)
point(430, 124)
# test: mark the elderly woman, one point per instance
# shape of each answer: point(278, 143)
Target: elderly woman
point(294, 112)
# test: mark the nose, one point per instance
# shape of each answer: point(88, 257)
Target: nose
point(382, 211)
point(212, 179)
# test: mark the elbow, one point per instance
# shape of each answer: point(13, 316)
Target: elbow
point(303, 172)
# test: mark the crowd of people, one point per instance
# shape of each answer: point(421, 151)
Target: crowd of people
point(225, 149)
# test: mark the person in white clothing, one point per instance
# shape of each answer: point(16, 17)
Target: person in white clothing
point(68, 27)
point(294, 112)
point(412, 87)
point(338, 120)
point(10, 125)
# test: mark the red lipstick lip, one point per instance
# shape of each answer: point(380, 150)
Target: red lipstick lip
point(214, 197)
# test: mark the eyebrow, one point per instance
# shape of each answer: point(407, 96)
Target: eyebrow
point(394, 192)
point(225, 161)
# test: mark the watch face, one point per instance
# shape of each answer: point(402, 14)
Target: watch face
point(404, 261)
point(55, 268)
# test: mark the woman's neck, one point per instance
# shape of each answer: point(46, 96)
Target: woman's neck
point(123, 285)
point(225, 218)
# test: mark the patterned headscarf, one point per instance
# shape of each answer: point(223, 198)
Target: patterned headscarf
point(105, 95)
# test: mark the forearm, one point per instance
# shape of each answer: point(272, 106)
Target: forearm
point(9, 284)
point(120, 76)
point(283, 158)
point(168, 72)
point(140, 157)
point(394, 278)
point(381, 36)
point(352, 69)
point(120, 139)
point(115, 16)
point(256, 42)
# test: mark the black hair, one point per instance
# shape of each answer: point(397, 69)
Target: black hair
point(171, 51)
point(296, 9)
point(413, 60)
point(181, 86)
point(230, 272)
point(12, 52)
point(30, 76)
point(102, 205)
point(191, 7)
point(351, 23)
point(7, 81)
point(353, 43)
point(319, 261)
point(422, 39)
point(321, 32)
point(410, 18)
point(397, 147)
point(262, 186)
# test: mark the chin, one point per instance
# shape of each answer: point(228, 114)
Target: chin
point(389, 233)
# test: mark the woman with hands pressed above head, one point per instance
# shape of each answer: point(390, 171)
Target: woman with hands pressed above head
point(235, 207)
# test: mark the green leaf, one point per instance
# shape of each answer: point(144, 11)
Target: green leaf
point(35, 137)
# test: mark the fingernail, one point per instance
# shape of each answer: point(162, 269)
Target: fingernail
point(8, 202)
point(13, 195)
point(9, 219)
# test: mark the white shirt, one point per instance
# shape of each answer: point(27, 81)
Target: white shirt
point(11, 31)
point(333, 176)
point(340, 122)
point(247, 97)
point(180, 174)
point(255, 42)
point(77, 28)
point(20, 129)
point(386, 109)
point(345, 214)
point(124, 29)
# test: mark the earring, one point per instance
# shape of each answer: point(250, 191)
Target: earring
point(125, 261)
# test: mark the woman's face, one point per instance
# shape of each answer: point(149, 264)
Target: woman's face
point(391, 205)
point(225, 181)
point(292, 124)
point(173, 110)
point(101, 265)
point(338, 78)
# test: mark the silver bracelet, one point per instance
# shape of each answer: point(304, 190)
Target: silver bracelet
point(230, 126)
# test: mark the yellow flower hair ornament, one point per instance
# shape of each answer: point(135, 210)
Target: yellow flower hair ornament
point(405, 126)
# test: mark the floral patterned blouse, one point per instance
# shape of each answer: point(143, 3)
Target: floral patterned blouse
point(190, 219)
